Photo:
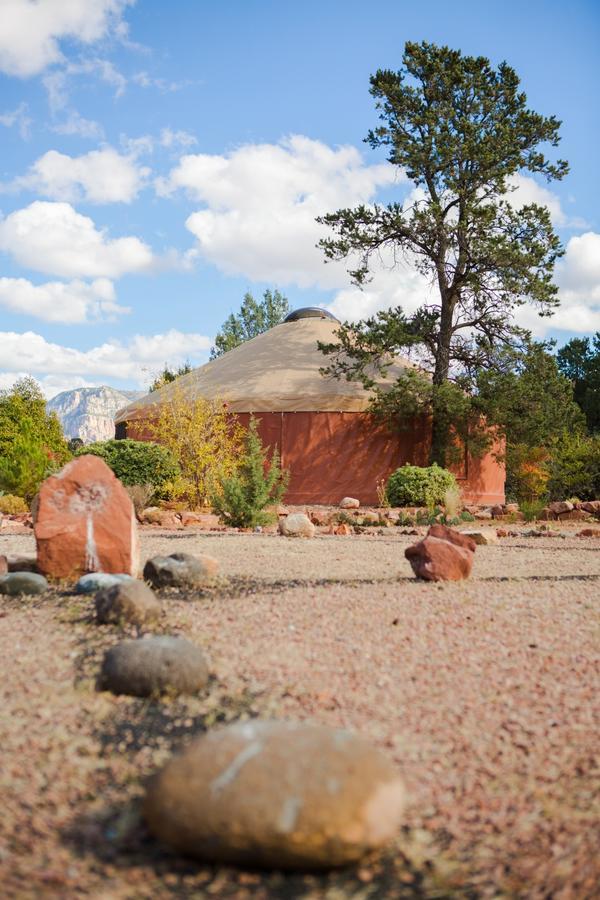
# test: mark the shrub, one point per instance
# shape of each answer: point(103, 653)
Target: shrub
point(141, 495)
point(416, 486)
point(256, 485)
point(531, 509)
point(136, 462)
point(527, 472)
point(203, 438)
point(12, 505)
point(26, 464)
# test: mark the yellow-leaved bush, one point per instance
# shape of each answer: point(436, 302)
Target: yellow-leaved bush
point(203, 437)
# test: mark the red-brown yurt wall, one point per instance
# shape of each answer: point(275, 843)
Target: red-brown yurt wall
point(331, 455)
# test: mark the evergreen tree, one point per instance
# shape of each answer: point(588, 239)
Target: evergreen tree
point(253, 318)
point(256, 484)
point(460, 130)
point(579, 360)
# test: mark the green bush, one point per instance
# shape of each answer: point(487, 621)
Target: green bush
point(12, 505)
point(574, 468)
point(245, 494)
point(137, 462)
point(416, 486)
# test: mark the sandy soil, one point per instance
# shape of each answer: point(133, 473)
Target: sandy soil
point(485, 693)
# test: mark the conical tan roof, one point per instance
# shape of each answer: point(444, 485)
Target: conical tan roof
point(277, 371)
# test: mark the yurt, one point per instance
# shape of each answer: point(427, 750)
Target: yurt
point(321, 426)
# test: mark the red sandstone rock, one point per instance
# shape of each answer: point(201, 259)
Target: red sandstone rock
point(444, 555)
point(592, 506)
point(574, 515)
point(561, 506)
point(3, 565)
point(85, 522)
point(497, 511)
point(589, 532)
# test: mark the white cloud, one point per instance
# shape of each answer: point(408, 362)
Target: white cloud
point(144, 80)
point(100, 176)
point(50, 384)
point(73, 302)
point(30, 353)
point(19, 118)
point(76, 124)
point(170, 138)
point(30, 32)
point(54, 238)
point(261, 202)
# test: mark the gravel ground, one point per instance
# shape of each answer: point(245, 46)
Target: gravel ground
point(484, 692)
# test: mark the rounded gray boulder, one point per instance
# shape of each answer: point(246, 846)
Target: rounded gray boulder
point(127, 601)
point(281, 794)
point(182, 570)
point(155, 665)
point(16, 583)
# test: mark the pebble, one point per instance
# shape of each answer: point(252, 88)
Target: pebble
point(276, 794)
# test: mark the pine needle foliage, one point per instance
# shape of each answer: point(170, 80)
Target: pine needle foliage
point(257, 484)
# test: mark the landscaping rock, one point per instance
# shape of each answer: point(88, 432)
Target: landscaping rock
point(444, 555)
point(276, 794)
point(22, 563)
point(95, 581)
point(181, 570)
point(497, 512)
point(16, 583)
point(3, 565)
point(483, 514)
point(511, 508)
point(574, 515)
point(341, 529)
point(296, 525)
point(154, 665)
point(349, 503)
point(592, 507)
point(561, 506)
point(589, 533)
point(486, 536)
point(130, 601)
point(85, 522)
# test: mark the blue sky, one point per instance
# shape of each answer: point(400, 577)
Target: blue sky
point(160, 159)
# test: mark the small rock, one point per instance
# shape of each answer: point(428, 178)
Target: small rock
point(22, 563)
point(319, 516)
point(444, 555)
point(349, 503)
point(589, 533)
point(487, 536)
point(483, 514)
point(561, 506)
point(276, 794)
point(592, 507)
point(502, 532)
point(511, 508)
point(3, 565)
point(497, 511)
point(574, 515)
point(181, 570)
point(128, 601)
point(296, 525)
point(95, 581)
point(341, 529)
point(22, 583)
point(154, 665)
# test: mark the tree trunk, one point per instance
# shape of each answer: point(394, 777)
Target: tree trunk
point(439, 424)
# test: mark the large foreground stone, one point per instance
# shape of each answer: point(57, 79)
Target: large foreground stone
point(444, 555)
point(16, 583)
point(85, 522)
point(129, 601)
point(155, 665)
point(296, 525)
point(182, 570)
point(276, 794)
